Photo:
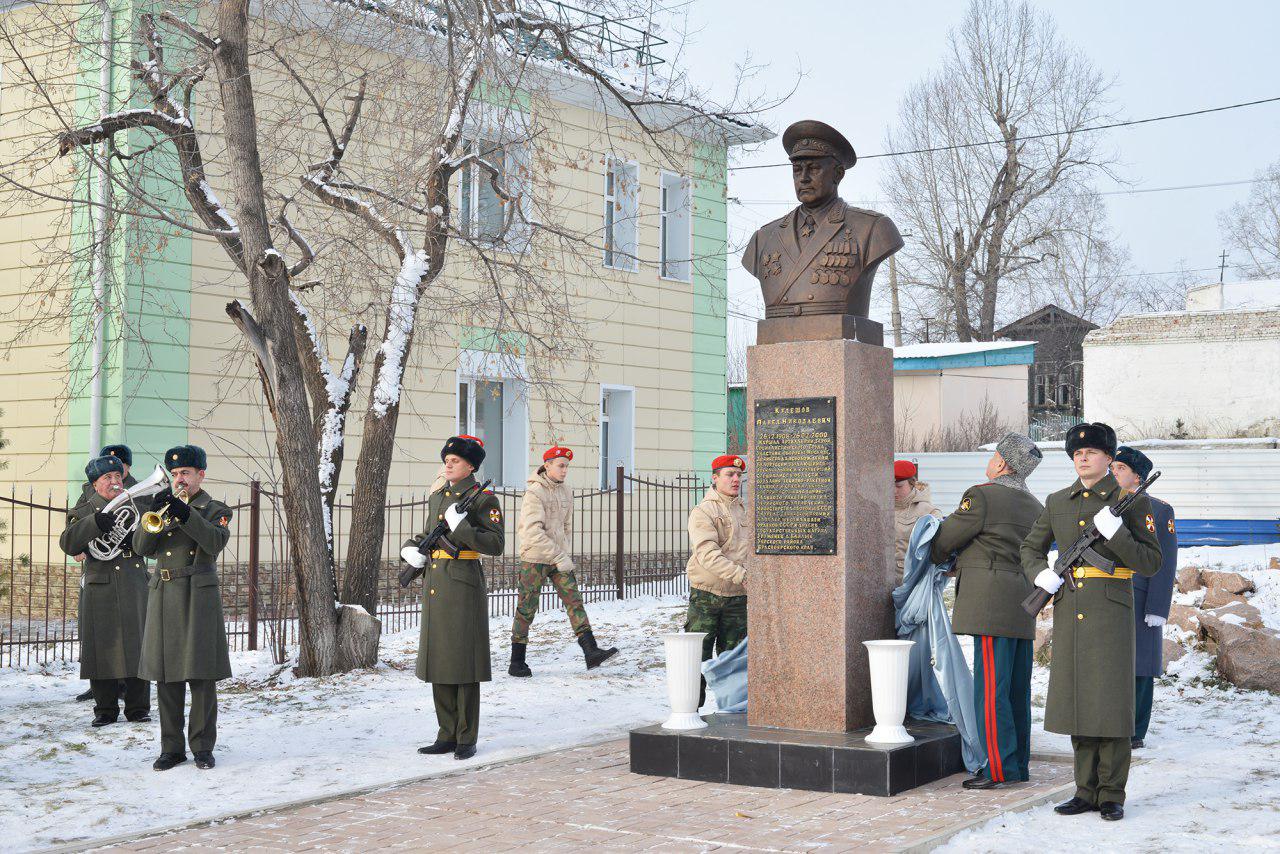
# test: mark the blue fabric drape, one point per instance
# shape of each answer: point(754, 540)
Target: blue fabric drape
point(726, 676)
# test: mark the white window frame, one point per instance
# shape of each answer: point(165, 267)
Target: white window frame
point(606, 465)
point(508, 130)
point(483, 366)
point(669, 268)
point(613, 256)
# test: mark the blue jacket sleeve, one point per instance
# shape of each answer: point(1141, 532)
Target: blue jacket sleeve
point(1160, 585)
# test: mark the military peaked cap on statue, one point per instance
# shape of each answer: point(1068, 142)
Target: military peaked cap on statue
point(1096, 435)
point(186, 456)
point(120, 452)
point(469, 448)
point(1136, 460)
point(812, 138)
point(728, 461)
point(98, 466)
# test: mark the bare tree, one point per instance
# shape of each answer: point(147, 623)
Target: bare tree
point(359, 229)
point(1086, 268)
point(1252, 227)
point(995, 141)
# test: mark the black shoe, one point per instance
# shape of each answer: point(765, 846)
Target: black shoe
point(168, 760)
point(1111, 811)
point(204, 759)
point(981, 783)
point(138, 717)
point(1135, 743)
point(87, 695)
point(1075, 806)
point(439, 747)
point(104, 720)
point(518, 667)
point(464, 751)
point(595, 655)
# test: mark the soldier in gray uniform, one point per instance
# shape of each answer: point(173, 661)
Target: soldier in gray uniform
point(186, 639)
point(113, 598)
point(453, 643)
point(986, 534)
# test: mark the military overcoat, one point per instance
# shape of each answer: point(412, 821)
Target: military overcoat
point(1092, 672)
point(453, 641)
point(1153, 595)
point(113, 599)
point(186, 638)
point(986, 533)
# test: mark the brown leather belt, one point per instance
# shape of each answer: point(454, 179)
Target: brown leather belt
point(184, 572)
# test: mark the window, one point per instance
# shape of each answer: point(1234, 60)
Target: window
point(617, 432)
point(621, 209)
point(674, 235)
point(1040, 393)
point(1064, 389)
point(493, 407)
point(483, 213)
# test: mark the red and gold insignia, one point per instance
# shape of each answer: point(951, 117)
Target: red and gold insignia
point(966, 504)
point(1151, 524)
point(224, 521)
point(495, 516)
point(1172, 530)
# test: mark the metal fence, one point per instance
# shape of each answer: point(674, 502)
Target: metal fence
point(631, 539)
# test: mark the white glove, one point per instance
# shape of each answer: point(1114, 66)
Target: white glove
point(1154, 621)
point(1107, 522)
point(1048, 581)
point(413, 557)
point(454, 516)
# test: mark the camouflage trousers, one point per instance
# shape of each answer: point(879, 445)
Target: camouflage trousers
point(723, 618)
point(532, 577)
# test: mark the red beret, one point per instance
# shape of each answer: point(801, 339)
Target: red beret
point(479, 442)
point(903, 469)
point(556, 451)
point(726, 460)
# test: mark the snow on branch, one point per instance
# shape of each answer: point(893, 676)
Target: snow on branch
point(401, 316)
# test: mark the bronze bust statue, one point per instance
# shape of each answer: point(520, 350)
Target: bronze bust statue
point(817, 263)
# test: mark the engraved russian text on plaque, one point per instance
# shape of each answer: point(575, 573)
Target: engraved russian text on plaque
point(794, 485)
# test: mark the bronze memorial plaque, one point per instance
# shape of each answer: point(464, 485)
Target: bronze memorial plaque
point(794, 485)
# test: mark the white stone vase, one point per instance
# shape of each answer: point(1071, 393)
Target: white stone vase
point(889, 661)
point(684, 678)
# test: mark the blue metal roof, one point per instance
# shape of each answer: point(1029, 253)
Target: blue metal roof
point(1022, 355)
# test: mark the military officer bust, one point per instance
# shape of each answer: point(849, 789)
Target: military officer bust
point(816, 264)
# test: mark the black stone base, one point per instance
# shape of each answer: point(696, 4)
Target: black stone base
point(730, 751)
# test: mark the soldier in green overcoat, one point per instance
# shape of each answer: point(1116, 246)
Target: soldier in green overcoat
point(186, 639)
point(453, 643)
point(1091, 675)
point(986, 533)
point(113, 597)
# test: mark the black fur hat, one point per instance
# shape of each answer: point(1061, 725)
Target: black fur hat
point(469, 448)
point(98, 466)
point(1096, 435)
point(186, 455)
point(121, 452)
point(1136, 460)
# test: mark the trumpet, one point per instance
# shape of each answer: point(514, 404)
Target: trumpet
point(153, 521)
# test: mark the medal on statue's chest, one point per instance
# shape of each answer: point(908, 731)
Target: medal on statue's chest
point(838, 264)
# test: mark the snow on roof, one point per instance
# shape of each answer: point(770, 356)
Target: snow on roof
point(1180, 444)
point(956, 348)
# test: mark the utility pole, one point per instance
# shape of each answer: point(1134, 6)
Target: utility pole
point(1222, 269)
point(896, 315)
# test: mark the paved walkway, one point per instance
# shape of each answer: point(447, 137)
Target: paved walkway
point(587, 798)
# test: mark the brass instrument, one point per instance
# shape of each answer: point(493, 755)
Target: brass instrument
point(125, 512)
point(153, 521)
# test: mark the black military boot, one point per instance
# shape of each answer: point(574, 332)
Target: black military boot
point(595, 655)
point(1075, 806)
point(439, 747)
point(105, 720)
point(168, 760)
point(464, 751)
point(204, 759)
point(518, 667)
point(87, 695)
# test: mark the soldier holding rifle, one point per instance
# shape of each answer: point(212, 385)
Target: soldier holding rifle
point(1091, 676)
point(453, 644)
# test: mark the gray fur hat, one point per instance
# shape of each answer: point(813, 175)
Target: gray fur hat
point(1020, 453)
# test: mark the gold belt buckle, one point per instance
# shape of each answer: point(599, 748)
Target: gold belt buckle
point(165, 576)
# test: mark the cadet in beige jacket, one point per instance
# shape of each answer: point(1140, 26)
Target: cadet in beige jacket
point(546, 525)
point(717, 565)
point(912, 501)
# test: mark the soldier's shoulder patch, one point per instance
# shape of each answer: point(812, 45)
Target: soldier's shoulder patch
point(1151, 523)
point(1172, 529)
point(224, 521)
point(495, 516)
point(966, 504)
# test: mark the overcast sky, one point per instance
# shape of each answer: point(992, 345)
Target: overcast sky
point(859, 58)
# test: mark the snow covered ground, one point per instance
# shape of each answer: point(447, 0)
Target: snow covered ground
point(283, 739)
point(1209, 776)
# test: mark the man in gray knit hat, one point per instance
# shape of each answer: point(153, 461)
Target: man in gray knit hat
point(985, 534)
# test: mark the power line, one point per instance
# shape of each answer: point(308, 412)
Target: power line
point(1047, 135)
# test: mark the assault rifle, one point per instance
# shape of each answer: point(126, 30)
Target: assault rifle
point(439, 536)
point(1082, 551)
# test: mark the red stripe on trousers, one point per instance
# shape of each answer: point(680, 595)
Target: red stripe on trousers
point(993, 734)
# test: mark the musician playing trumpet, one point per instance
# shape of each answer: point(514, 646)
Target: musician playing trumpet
point(186, 640)
point(114, 599)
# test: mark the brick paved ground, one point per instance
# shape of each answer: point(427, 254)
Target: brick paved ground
point(587, 797)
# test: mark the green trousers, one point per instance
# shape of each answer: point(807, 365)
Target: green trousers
point(1102, 768)
point(532, 577)
point(1002, 703)
point(457, 712)
point(1143, 691)
point(723, 618)
point(106, 697)
point(202, 728)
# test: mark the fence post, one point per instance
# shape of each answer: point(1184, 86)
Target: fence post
point(255, 507)
point(619, 556)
